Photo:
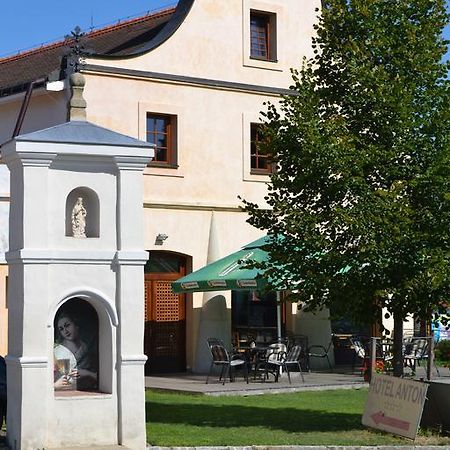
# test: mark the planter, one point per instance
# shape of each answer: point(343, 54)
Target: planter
point(367, 367)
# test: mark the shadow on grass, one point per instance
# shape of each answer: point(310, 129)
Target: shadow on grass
point(287, 419)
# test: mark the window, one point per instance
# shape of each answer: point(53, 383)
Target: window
point(161, 131)
point(259, 161)
point(263, 36)
point(254, 316)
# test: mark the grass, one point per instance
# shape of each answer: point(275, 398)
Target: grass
point(304, 418)
point(442, 363)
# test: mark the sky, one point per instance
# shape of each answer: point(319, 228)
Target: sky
point(25, 24)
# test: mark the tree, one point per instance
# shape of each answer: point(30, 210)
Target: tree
point(361, 191)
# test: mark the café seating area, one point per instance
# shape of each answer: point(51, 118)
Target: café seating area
point(416, 352)
point(259, 358)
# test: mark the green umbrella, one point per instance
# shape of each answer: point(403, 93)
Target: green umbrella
point(228, 273)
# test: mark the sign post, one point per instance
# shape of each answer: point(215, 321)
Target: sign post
point(395, 405)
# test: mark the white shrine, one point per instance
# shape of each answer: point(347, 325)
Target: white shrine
point(76, 292)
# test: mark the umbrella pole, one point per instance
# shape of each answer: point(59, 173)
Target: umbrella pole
point(279, 316)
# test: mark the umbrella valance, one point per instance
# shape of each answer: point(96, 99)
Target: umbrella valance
point(228, 273)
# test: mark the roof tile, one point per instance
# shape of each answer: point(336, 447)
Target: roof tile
point(119, 40)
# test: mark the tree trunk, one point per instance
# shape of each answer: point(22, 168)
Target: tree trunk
point(398, 345)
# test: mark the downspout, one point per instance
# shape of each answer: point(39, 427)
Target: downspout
point(24, 107)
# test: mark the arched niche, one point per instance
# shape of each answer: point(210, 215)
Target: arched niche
point(91, 214)
point(83, 345)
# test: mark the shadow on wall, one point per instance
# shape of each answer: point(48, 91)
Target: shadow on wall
point(214, 322)
point(317, 326)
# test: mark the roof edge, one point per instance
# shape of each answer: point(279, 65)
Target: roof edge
point(68, 40)
point(181, 11)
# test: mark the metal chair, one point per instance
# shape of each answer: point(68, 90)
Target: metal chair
point(319, 351)
point(270, 361)
point(222, 359)
point(302, 340)
point(416, 350)
point(360, 350)
point(294, 357)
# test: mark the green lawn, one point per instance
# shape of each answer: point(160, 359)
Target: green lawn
point(304, 418)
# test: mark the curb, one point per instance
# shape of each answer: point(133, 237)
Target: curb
point(309, 447)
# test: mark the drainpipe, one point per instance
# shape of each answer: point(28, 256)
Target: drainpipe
point(25, 103)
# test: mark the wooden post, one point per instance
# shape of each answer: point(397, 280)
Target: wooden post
point(430, 356)
point(373, 356)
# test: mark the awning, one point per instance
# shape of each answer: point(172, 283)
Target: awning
point(228, 273)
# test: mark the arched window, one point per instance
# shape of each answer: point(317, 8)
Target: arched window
point(75, 351)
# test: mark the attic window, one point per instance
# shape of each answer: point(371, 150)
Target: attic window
point(263, 36)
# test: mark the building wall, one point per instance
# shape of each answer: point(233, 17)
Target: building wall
point(213, 43)
point(197, 205)
point(45, 109)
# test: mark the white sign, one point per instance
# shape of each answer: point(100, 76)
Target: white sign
point(395, 405)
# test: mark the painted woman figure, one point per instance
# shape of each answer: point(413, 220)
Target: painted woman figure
point(76, 362)
point(79, 219)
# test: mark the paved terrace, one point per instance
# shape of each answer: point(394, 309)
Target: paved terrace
point(341, 378)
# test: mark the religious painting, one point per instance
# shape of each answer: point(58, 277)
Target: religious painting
point(75, 350)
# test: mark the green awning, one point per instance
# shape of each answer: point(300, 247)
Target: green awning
point(228, 273)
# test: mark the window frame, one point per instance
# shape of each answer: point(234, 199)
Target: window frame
point(255, 155)
point(270, 25)
point(171, 139)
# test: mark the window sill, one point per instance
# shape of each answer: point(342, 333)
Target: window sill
point(257, 177)
point(75, 395)
point(260, 172)
point(162, 165)
point(269, 60)
point(164, 171)
point(266, 64)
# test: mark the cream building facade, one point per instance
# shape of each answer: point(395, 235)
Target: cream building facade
point(194, 84)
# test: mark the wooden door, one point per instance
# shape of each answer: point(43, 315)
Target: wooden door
point(165, 324)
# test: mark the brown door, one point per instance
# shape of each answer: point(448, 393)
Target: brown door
point(165, 318)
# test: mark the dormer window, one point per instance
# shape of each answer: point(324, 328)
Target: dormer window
point(263, 35)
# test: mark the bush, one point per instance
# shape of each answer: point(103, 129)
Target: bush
point(442, 351)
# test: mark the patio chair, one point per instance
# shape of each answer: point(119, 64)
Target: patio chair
point(221, 358)
point(271, 361)
point(360, 350)
point(320, 351)
point(293, 358)
point(302, 340)
point(416, 350)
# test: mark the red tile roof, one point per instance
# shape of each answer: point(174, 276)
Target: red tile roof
point(119, 40)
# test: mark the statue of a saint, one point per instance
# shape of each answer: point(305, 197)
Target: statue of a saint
point(79, 219)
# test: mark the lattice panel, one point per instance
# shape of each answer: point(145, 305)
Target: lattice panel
point(147, 298)
point(167, 308)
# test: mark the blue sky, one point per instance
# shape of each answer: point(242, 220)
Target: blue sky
point(25, 24)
